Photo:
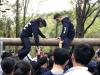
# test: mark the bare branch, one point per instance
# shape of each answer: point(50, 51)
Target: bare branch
point(93, 11)
point(86, 12)
point(76, 2)
point(94, 4)
point(88, 9)
point(85, 18)
point(92, 22)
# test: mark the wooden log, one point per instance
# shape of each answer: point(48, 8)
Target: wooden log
point(51, 41)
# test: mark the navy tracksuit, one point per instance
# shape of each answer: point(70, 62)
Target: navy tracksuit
point(30, 29)
point(67, 33)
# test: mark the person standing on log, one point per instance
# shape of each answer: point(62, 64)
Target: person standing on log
point(68, 31)
point(29, 30)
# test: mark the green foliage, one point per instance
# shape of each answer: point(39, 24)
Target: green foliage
point(93, 31)
point(1, 27)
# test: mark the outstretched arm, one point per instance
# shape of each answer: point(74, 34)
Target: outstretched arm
point(41, 34)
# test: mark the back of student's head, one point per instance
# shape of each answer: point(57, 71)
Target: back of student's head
point(60, 56)
point(6, 54)
point(7, 65)
point(83, 53)
point(22, 68)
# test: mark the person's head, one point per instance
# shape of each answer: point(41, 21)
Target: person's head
point(57, 17)
point(97, 70)
point(7, 65)
point(6, 54)
point(42, 22)
point(22, 68)
point(98, 55)
point(91, 66)
point(43, 62)
point(82, 54)
point(61, 56)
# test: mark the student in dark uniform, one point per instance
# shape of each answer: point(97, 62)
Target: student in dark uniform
point(29, 30)
point(60, 57)
point(68, 31)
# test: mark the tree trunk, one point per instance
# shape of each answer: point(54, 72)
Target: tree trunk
point(79, 26)
point(84, 9)
point(25, 6)
point(17, 23)
point(8, 29)
point(17, 19)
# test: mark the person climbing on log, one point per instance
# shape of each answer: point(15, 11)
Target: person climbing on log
point(31, 29)
point(67, 33)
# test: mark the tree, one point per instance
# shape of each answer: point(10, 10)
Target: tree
point(25, 6)
point(85, 9)
point(17, 22)
point(17, 19)
point(8, 24)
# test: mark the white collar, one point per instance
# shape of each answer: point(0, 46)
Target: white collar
point(57, 71)
point(78, 67)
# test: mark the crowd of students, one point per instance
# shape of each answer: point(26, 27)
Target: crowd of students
point(57, 62)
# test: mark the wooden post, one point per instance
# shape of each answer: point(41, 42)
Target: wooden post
point(52, 41)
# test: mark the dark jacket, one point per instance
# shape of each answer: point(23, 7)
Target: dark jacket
point(47, 73)
point(50, 73)
point(41, 71)
point(67, 29)
point(30, 29)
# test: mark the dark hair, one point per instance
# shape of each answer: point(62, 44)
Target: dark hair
point(38, 70)
point(97, 70)
point(34, 65)
point(60, 56)
point(41, 20)
point(6, 54)
point(83, 53)
point(57, 15)
point(91, 66)
point(22, 68)
point(7, 65)
point(42, 60)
